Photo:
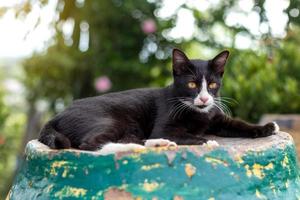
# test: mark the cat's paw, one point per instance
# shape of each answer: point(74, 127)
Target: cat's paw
point(211, 144)
point(112, 148)
point(160, 143)
point(269, 129)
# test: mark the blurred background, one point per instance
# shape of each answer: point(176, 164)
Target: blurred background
point(55, 51)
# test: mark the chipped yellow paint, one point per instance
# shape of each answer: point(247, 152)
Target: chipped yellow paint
point(139, 198)
point(190, 170)
point(140, 150)
point(211, 198)
point(136, 156)
point(150, 187)
point(149, 167)
point(49, 188)
point(68, 191)
point(59, 163)
point(269, 166)
point(216, 161)
point(238, 159)
point(257, 171)
point(65, 172)
point(55, 165)
point(260, 195)
point(248, 171)
point(285, 161)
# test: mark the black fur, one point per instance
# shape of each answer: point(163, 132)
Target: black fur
point(139, 114)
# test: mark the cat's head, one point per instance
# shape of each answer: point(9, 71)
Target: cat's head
point(197, 82)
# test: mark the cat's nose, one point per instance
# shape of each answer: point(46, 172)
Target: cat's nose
point(204, 99)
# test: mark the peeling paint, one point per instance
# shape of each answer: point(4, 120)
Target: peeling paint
point(248, 171)
point(170, 156)
point(150, 167)
point(117, 194)
point(260, 195)
point(257, 171)
point(269, 166)
point(216, 161)
point(285, 161)
point(190, 170)
point(68, 191)
point(269, 171)
point(239, 159)
point(150, 187)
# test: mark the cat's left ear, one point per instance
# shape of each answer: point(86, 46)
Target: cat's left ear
point(218, 63)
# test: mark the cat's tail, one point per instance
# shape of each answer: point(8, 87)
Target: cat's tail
point(55, 140)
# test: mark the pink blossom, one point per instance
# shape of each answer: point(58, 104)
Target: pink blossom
point(103, 84)
point(148, 26)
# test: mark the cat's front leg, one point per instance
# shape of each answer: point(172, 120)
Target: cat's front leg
point(225, 126)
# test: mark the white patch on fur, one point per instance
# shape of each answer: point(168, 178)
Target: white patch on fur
point(204, 93)
point(112, 148)
point(277, 129)
point(211, 143)
point(159, 143)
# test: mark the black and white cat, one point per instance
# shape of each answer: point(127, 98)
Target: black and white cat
point(181, 113)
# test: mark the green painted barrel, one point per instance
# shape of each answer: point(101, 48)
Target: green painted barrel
point(263, 168)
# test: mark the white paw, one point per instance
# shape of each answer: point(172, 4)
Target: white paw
point(211, 143)
point(276, 127)
point(112, 148)
point(159, 143)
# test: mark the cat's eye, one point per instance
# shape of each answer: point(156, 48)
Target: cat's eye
point(212, 85)
point(192, 85)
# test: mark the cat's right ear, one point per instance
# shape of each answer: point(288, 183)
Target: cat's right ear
point(180, 61)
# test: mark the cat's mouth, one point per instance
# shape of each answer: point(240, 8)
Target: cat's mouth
point(201, 106)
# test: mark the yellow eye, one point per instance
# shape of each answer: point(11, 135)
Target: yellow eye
point(192, 85)
point(212, 85)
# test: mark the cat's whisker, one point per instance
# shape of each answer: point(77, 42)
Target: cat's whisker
point(178, 113)
point(223, 100)
point(175, 109)
point(224, 108)
point(220, 101)
point(178, 109)
point(218, 108)
point(228, 99)
point(181, 110)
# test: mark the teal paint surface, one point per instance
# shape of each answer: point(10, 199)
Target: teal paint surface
point(165, 174)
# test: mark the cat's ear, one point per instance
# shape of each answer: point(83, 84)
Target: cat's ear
point(218, 62)
point(180, 61)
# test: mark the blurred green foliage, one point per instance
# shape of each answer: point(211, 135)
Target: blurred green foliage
point(262, 80)
point(11, 125)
